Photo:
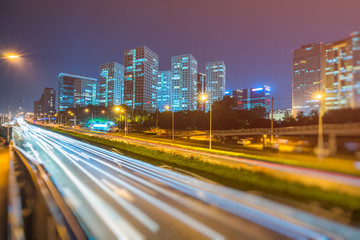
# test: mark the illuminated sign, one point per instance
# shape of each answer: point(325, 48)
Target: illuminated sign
point(256, 89)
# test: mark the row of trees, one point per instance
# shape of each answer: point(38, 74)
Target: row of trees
point(224, 114)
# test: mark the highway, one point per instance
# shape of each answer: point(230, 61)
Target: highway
point(116, 197)
point(317, 176)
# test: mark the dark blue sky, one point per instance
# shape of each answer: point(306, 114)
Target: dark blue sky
point(255, 38)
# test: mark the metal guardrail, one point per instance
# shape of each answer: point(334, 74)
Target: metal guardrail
point(36, 208)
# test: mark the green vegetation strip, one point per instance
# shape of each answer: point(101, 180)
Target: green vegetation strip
point(233, 177)
point(340, 166)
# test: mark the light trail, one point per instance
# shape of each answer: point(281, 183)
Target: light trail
point(173, 194)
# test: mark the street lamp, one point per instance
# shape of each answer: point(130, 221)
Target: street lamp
point(167, 107)
point(73, 114)
point(10, 56)
point(320, 133)
point(203, 98)
point(92, 115)
point(122, 110)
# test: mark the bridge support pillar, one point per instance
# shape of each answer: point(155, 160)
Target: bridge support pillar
point(332, 144)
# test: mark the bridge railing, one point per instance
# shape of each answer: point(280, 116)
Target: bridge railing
point(329, 127)
point(36, 208)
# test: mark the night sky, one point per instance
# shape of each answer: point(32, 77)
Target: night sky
point(254, 38)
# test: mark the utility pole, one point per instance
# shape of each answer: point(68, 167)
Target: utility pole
point(126, 122)
point(173, 126)
point(320, 134)
point(210, 126)
point(157, 120)
point(272, 120)
point(8, 125)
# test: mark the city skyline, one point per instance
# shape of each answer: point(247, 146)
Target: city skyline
point(249, 48)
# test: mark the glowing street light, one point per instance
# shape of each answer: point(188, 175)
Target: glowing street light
point(10, 56)
point(167, 107)
point(122, 110)
point(13, 56)
point(92, 114)
point(73, 114)
point(203, 97)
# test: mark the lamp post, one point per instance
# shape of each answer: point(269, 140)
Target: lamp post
point(203, 98)
point(92, 115)
point(73, 114)
point(10, 57)
point(167, 107)
point(272, 120)
point(49, 119)
point(320, 133)
point(123, 110)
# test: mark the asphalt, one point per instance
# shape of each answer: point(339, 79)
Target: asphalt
point(329, 180)
point(115, 197)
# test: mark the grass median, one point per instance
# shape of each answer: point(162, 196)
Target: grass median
point(328, 164)
point(239, 178)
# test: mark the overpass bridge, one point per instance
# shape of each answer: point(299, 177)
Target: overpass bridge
point(332, 131)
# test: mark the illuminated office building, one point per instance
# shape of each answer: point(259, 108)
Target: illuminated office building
point(237, 95)
point(332, 69)
point(141, 78)
point(215, 82)
point(200, 86)
point(164, 90)
point(256, 98)
point(184, 82)
point(46, 104)
point(76, 91)
point(111, 84)
point(342, 73)
point(306, 80)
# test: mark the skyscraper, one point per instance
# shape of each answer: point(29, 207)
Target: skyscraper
point(164, 90)
point(215, 81)
point(76, 91)
point(48, 101)
point(111, 88)
point(332, 69)
point(200, 84)
point(141, 77)
point(46, 104)
point(184, 78)
point(342, 73)
point(238, 97)
point(257, 98)
point(306, 80)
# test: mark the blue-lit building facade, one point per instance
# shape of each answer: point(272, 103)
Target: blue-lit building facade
point(111, 84)
point(256, 98)
point(215, 82)
point(141, 67)
point(164, 90)
point(76, 91)
point(306, 79)
point(184, 82)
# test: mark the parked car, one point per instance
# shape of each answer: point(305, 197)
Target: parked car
point(243, 142)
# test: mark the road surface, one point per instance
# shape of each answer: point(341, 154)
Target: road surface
point(116, 197)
